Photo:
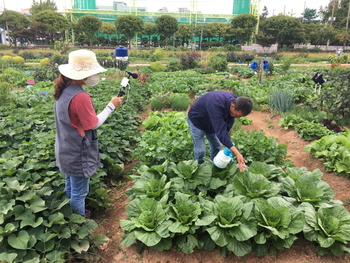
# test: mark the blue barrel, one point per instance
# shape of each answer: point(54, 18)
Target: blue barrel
point(121, 52)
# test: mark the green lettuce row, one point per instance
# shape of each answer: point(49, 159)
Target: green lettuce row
point(335, 150)
point(262, 209)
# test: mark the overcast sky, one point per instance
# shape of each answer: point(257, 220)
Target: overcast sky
point(205, 6)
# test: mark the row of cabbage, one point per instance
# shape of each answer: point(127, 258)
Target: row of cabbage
point(179, 203)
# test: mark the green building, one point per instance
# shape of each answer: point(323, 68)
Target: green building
point(80, 8)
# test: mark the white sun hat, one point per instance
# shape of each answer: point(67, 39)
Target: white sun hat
point(81, 64)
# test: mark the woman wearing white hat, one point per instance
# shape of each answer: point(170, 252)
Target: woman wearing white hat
point(76, 146)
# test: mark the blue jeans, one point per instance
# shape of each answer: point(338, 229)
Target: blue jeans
point(199, 143)
point(76, 189)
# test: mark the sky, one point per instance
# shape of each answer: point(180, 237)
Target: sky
point(296, 7)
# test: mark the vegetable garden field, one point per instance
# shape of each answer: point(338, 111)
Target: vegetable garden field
point(150, 201)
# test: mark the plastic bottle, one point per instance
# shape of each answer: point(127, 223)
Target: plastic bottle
point(222, 159)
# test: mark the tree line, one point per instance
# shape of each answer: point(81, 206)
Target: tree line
point(46, 24)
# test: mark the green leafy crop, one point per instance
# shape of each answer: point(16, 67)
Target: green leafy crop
point(329, 227)
point(278, 222)
point(335, 149)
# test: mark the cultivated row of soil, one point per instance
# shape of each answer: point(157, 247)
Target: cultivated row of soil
point(301, 252)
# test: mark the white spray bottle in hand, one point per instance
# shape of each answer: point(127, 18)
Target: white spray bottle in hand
point(223, 158)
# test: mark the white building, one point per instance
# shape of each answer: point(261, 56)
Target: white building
point(3, 36)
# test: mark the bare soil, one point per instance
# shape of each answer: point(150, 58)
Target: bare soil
point(301, 252)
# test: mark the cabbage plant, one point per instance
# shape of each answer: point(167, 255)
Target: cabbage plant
point(222, 177)
point(232, 223)
point(307, 188)
point(329, 227)
point(191, 175)
point(149, 184)
point(184, 212)
point(278, 223)
point(148, 223)
point(254, 185)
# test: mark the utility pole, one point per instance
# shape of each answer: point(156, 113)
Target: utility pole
point(193, 21)
point(304, 12)
point(261, 70)
point(7, 27)
point(332, 17)
point(200, 42)
point(133, 11)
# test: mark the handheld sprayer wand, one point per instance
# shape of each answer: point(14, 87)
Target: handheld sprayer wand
point(125, 84)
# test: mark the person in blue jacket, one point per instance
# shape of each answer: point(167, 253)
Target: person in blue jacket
point(254, 66)
point(212, 116)
point(266, 66)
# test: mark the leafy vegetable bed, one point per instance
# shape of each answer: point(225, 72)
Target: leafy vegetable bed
point(36, 222)
point(262, 209)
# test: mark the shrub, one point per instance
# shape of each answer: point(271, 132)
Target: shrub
point(108, 62)
point(15, 77)
point(18, 60)
point(4, 92)
point(3, 65)
point(246, 57)
point(173, 66)
point(218, 62)
point(103, 54)
point(153, 58)
point(271, 68)
point(156, 66)
point(139, 54)
point(169, 47)
point(338, 59)
point(189, 60)
point(15, 51)
point(48, 73)
point(182, 48)
point(59, 46)
point(286, 63)
point(27, 55)
point(231, 47)
point(216, 49)
point(233, 57)
point(315, 60)
point(44, 62)
point(59, 59)
point(156, 104)
point(120, 64)
point(7, 58)
point(47, 54)
point(4, 47)
point(161, 99)
point(180, 102)
point(159, 52)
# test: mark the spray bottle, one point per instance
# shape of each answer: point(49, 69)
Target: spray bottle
point(222, 159)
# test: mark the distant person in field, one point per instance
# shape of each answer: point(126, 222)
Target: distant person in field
point(76, 145)
point(212, 116)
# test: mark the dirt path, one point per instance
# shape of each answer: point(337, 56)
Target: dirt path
point(301, 251)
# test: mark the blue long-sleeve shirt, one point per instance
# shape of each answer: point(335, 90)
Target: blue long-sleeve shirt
point(211, 113)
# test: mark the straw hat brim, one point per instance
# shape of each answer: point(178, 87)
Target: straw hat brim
point(77, 74)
